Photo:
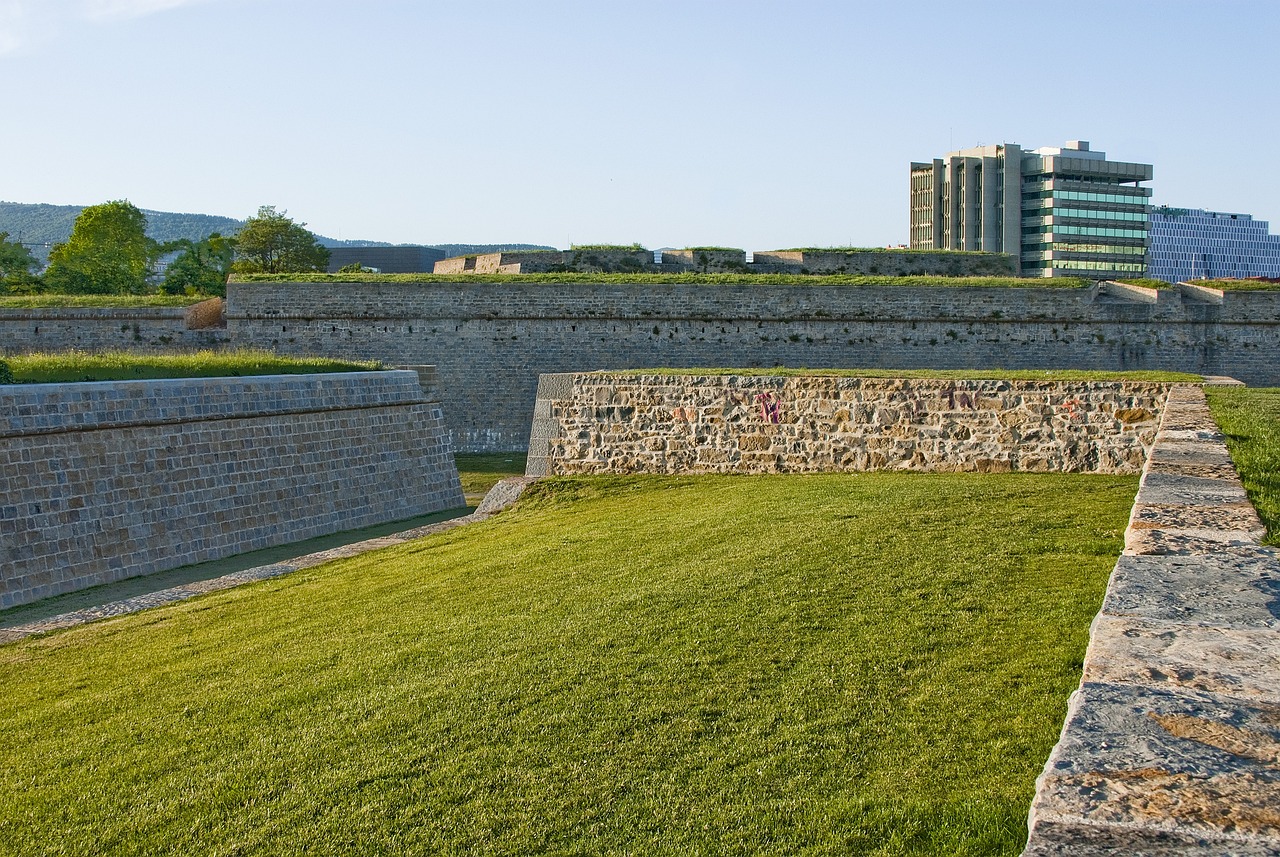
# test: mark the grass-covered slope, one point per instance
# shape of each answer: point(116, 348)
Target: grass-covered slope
point(62, 366)
point(872, 664)
point(1250, 418)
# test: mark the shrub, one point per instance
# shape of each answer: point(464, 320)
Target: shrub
point(6, 375)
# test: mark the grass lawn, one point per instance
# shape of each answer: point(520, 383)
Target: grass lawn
point(480, 471)
point(45, 368)
point(868, 663)
point(44, 301)
point(1250, 418)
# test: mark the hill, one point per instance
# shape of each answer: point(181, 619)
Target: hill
point(39, 226)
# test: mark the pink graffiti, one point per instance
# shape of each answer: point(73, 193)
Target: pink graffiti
point(770, 407)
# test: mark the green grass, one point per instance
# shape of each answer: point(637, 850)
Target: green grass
point(46, 368)
point(683, 279)
point(941, 374)
point(98, 301)
point(480, 471)
point(1250, 418)
point(1238, 285)
point(700, 665)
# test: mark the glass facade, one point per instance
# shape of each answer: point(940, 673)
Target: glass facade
point(1192, 244)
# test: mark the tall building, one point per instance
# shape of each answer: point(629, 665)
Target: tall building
point(1060, 212)
point(1191, 244)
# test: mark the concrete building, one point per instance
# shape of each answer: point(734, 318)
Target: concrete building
point(1192, 244)
point(1060, 211)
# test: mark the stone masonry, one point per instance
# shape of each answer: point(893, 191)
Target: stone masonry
point(617, 423)
point(103, 481)
point(491, 341)
point(1172, 742)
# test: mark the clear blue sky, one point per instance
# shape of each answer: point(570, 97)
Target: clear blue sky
point(750, 124)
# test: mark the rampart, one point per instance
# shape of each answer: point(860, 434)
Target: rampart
point(617, 423)
point(146, 329)
point(103, 481)
point(491, 341)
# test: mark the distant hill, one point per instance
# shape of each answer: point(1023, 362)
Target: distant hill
point(39, 226)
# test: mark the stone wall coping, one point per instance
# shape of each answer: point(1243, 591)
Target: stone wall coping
point(1170, 744)
point(27, 409)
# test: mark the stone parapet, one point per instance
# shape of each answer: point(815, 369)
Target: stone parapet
point(619, 423)
point(104, 481)
point(1172, 743)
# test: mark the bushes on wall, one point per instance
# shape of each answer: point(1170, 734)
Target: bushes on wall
point(6, 375)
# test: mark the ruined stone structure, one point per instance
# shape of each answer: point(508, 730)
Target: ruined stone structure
point(103, 481)
point(615, 423)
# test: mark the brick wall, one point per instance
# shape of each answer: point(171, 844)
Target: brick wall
point(490, 341)
point(146, 329)
point(103, 481)
point(612, 423)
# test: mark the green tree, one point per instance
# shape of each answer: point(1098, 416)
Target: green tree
point(201, 267)
point(16, 265)
point(271, 243)
point(108, 252)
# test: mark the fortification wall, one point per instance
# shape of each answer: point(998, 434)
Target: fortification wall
point(490, 341)
point(103, 481)
point(895, 263)
point(614, 423)
point(149, 329)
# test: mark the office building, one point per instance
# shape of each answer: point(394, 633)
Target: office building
point(1059, 211)
point(1193, 244)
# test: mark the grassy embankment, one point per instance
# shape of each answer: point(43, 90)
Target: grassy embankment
point(50, 301)
point(1048, 375)
point(45, 368)
point(683, 279)
point(769, 665)
point(1250, 418)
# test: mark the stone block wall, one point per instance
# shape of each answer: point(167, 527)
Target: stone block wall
point(1170, 743)
point(616, 423)
point(144, 329)
point(103, 481)
point(491, 341)
point(895, 263)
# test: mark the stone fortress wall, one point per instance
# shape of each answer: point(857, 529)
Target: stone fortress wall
point(943, 263)
point(627, 423)
point(109, 480)
point(491, 341)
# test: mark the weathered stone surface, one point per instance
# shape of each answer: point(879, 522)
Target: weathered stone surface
point(1181, 762)
point(504, 494)
point(1243, 662)
point(1241, 590)
point(1172, 744)
point(817, 423)
point(1056, 839)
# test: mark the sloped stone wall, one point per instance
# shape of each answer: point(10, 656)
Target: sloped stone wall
point(103, 481)
point(1171, 742)
point(619, 423)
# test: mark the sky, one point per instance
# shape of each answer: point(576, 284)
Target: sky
point(760, 125)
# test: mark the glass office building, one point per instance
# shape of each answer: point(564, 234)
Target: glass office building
point(1060, 211)
point(1193, 244)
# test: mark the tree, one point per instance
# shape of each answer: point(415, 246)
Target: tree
point(201, 267)
point(16, 264)
point(271, 243)
point(108, 252)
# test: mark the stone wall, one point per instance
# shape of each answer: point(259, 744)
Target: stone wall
point(103, 481)
point(895, 263)
point(492, 340)
point(1170, 743)
point(145, 329)
point(614, 423)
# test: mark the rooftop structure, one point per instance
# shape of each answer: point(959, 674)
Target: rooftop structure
point(1191, 244)
point(1059, 210)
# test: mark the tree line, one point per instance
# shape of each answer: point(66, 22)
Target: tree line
point(109, 252)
